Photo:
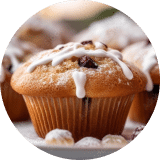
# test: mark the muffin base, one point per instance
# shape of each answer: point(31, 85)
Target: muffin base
point(143, 105)
point(94, 117)
point(14, 103)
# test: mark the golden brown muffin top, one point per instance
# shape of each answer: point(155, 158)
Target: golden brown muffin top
point(74, 68)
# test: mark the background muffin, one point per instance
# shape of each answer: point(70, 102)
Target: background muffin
point(13, 102)
point(117, 31)
point(43, 33)
point(143, 56)
point(85, 88)
point(16, 53)
point(35, 35)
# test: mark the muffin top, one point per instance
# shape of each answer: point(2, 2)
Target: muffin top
point(44, 33)
point(143, 56)
point(83, 69)
point(16, 53)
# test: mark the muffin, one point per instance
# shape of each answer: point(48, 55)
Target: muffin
point(117, 31)
point(16, 53)
point(143, 105)
point(13, 102)
point(43, 33)
point(84, 88)
point(143, 56)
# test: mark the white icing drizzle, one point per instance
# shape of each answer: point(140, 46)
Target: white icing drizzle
point(73, 50)
point(2, 74)
point(149, 62)
point(99, 45)
point(80, 80)
point(15, 63)
point(16, 48)
point(70, 50)
point(145, 55)
point(117, 54)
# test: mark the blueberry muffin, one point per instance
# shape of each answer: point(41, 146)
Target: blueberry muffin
point(85, 88)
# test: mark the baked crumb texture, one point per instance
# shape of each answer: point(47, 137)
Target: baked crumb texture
point(51, 73)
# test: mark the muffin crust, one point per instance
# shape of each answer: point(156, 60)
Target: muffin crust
point(57, 81)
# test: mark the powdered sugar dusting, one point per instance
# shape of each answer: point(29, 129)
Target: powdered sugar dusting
point(44, 82)
point(63, 79)
point(16, 52)
point(51, 80)
point(90, 72)
point(74, 49)
point(110, 71)
point(117, 29)
point(88, 142)
point(119, 80)
point(144, 57)
point(59, 137)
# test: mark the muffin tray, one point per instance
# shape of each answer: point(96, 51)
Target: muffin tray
point(27, 130)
